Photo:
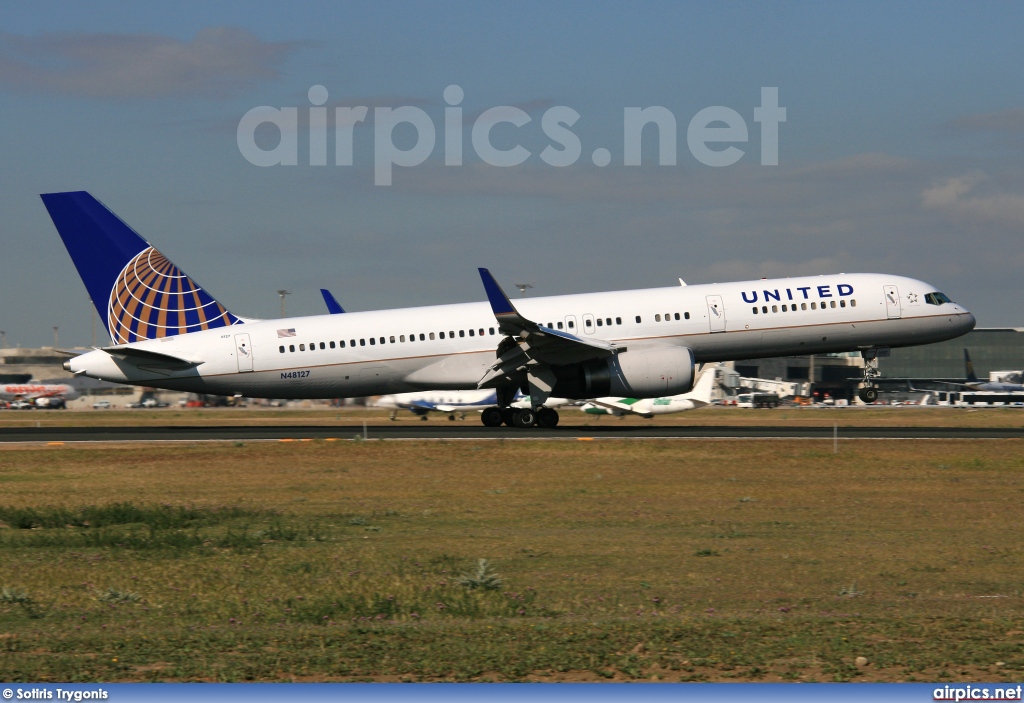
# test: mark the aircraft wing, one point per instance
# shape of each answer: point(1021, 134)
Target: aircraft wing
point(625, 405)
point(541, 343)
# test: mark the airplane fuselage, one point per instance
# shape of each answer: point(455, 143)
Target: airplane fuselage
point(451, 346)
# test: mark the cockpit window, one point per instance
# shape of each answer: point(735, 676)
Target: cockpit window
point(936, 298)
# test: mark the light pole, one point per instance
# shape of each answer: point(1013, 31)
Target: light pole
point(3, 339)
point(523, 287)
point(55, 344)
point(283, 293)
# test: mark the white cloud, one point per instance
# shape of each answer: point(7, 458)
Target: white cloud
point(217, 62)
point(957, 196)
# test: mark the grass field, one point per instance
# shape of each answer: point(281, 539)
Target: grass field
point(904, 416)
point(617, 560)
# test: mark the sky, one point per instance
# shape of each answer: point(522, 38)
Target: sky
point(902, 149)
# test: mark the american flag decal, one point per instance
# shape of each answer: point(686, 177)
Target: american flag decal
point(290, 332)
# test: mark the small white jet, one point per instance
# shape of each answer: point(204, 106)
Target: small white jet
point(649, 407)
point(452, 402)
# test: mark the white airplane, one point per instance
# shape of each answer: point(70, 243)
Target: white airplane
point(451, 402)
point(170, 333)
point(649, 407)
point(42, 395)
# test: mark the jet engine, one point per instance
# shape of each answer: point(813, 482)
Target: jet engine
point(646, 371)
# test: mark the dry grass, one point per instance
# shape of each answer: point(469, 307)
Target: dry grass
point(712, 560)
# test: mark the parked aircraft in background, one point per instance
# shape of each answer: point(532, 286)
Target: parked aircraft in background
point(649, 407)
point(170, 333)
point(41, 395)
point(452, 402)
point(994, 386)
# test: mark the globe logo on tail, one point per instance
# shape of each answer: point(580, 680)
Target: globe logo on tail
point(153, 298)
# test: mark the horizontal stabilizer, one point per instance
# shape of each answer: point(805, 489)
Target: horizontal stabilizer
point(137, 356)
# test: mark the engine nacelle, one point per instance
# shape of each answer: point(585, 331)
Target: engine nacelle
point(640, 372)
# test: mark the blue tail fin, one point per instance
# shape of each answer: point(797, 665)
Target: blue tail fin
point(137, 291)
point(971, 376)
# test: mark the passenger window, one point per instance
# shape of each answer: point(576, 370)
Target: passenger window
point(571, 324)
point(618, 320)
point(784, 309)
point(362, 342)
point(352, 343)
point(668, 316)
point(332, 345)
point(372, 341)
point(775, 308)
point(302, 347)
point(853, 303)
point(422, 338)
point(842, 303)
point(281, 348)
point(431, 335)
point(451, 334)
point(391, 339)
point(442, 335)
point(322, 345)
point(462, 333)
point(657, 318)
point(471, 333)
point(490, 330)
point(764, 309)
point(341, 344)
point(814, 306)
point(291, 347)
point(401, 338)
point(638, 319)
point(686, 316)
point(600, 323)
point(755, 310)
point(559, 325)
point(803, 306)
point(833, 303)
point(677, 316)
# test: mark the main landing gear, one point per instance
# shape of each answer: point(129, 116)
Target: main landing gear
point(525, 417)
point(869, 393)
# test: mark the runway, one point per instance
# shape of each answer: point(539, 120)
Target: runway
point(479, 432)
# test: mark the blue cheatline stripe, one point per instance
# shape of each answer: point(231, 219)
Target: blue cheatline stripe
point(500, 693)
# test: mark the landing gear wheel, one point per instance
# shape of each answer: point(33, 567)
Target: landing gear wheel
point(868, 395)
point(524, 418)
point(491, 417)
point(546, 417)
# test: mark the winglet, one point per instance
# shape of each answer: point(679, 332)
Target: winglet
point(332, 305)
point(500, 303)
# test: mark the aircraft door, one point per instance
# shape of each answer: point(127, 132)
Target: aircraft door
point(570, 324)
point(243, 352)
point(892, 302)
point(716, 313)
point(588, 324)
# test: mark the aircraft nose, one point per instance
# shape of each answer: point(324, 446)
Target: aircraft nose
point(966, 322)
